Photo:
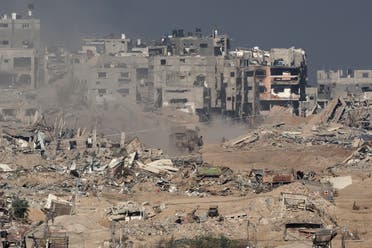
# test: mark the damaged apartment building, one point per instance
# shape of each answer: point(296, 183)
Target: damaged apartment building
point(21, 66)
point(192, 73)
point(109, 70)
point(356, 84)
point(20, 50)
point(277, 76)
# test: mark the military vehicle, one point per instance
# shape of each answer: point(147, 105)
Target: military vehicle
point(185, 139)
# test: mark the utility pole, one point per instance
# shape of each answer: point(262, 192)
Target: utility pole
point(344, 229)
point(113, 243)
point(252, 241)
point(120, 238)
point(122, 140)
point(75, 196)
point(248, 223)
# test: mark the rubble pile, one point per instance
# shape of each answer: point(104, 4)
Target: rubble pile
point(341, 123)
point(359, 160)
point(54, 166)
point(334, 135)
point(294, 203)
point(352, 113)
point(79, 162)
point(12, 229)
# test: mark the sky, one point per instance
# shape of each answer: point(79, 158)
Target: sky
point(336, 34)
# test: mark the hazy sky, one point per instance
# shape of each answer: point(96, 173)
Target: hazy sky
point(335, 33)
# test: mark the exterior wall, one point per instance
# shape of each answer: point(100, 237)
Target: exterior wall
point(290, 57)
point(20, 33)
point(193, 45)
point(230, 75)
point(16, 108)
point(109, 79)
point(18, 112)
point(333, 84)
point(215, 45)
point(187, 81)
point(20, 38)
point(110, 46)
point(280, 76)
point(56, 64)
point(192, 73)
point(251, 86)
point(18, 68)
point(338, 77)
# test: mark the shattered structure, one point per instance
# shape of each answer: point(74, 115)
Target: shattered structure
point(350, 84)
point(20, 51)
point(189, 72)
point(192, 73)
point(109, 78)
point(280, 75)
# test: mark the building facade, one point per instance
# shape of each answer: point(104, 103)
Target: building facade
point(20, 51)
point(346, 84)
point(192, 73)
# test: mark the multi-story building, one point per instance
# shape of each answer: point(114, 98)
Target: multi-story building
point(345, 84)
point(179, 44)
point(193, 73)
point(20, 51)
point(109, 78)
point(188, 83)
point(279, 76)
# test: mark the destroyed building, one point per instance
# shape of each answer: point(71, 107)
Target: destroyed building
point(192, 73)
point(21, 66)
point(108, 78)
point(338, 83)
point(56, 64)
point(20, 51)
point(181, 44)
point(110, 45)
point(238, 83)
point(281, 75)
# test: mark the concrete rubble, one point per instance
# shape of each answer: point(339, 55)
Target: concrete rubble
point(85, 170)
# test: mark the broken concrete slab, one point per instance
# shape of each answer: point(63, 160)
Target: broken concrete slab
point(246, 139)
point(58, 206)
point(6, 168)
point(339, 182)
point(158, 166)
point(134, 146)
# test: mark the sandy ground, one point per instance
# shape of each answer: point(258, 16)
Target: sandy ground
point(298, 157)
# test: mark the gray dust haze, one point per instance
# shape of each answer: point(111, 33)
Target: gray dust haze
point(334, 33)
point(326, 29)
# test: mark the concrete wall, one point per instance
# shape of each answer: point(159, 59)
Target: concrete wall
point(18, 68)
point(20, 33)
point(186, 77)
point(22, 39)
point(337, 83)
point(215, 45)
point(109, 46)
point(289, 56)
point(110, 78)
